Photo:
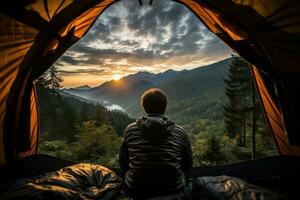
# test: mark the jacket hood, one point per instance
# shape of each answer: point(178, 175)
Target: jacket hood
point(155, 126)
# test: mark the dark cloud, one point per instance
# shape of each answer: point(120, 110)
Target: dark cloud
point(81, 71)
point(128, 43)
point(91, 56)
point(128, 34)
point(90, 52)
point(114, 22)
point(68, 59)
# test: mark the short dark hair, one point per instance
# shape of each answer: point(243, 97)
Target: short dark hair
point(154, 101)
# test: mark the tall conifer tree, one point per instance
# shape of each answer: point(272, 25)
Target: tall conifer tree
point(237, 90)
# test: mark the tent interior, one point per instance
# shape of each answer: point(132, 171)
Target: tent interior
point(35, 33)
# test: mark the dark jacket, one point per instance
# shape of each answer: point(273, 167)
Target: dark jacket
point(154, 155)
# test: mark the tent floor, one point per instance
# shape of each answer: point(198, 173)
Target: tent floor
point(278, 173)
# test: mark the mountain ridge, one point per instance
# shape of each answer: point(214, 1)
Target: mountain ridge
point(186, 87)
point(148, 73)
point(195, 96)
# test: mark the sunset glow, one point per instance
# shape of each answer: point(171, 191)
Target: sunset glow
point(128, 38)
point(116, 77)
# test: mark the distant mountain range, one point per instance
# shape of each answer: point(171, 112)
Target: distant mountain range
point(193, 95)
point(124, 91)
point(83, 87)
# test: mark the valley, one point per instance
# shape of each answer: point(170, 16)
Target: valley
point(195, 96)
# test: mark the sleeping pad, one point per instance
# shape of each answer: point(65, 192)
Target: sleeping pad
point(92, 181)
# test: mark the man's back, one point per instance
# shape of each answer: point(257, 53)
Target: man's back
point(154, 154)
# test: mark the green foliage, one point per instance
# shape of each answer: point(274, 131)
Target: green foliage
point(238, 91)
point(206, 127)
point(54, 80)
point(243, 115)
point(57, 148)
point(207, 150)
point(195, 94)
point(97, 143)
point(119, 121)
point(85, 132)
point(76, 130)
point(95, 139)
point(51, 106)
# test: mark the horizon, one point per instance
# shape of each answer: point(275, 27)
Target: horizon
point(128, 38)
point(113, 79)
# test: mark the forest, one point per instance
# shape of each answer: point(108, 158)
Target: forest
point(86, 132)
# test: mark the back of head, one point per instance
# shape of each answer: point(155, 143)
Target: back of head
point(154, 101)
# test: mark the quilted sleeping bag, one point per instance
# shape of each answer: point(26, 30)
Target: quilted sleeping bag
point(91, 181)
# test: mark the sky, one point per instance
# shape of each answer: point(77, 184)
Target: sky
point(128, 38)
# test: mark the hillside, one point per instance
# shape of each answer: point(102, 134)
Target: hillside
point(61, 117)
point(195, 96)
point(76, 128)
point(124, 91)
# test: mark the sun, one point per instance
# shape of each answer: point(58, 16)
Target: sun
point(116, 77)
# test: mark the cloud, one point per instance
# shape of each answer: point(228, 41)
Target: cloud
point(127, 37)
point(81, 71)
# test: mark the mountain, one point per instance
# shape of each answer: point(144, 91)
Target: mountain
point(78, 98)
point(155, 79)
point(79, 92)
point(83, 87)
point(62, 117)
point(196, 97)
point(126, 90)
point(80, 88)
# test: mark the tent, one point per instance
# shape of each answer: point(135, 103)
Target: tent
point(34, 33)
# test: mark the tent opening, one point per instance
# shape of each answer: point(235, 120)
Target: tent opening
point(164, 48)
point(91, 93)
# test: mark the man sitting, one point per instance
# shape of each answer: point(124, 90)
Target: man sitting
point(155, 153)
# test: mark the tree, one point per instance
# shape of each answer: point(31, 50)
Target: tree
point(54, 78)
point(67, 122)
point(100, 115)
point(54, 83)
point(57, 148)
point(42, 84)
point(207, 150)
point(244, 119)
point(237, 90)
point(119, 121)
point(50, 102)
point(97, 143)
point(213, 152)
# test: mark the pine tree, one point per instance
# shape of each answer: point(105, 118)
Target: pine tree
point(231, 110)
point(100, 115)
point(54, 82)
point(234, 107)
point(214, 151)
point(54, 78)
point(244, 118)
point(262, 145)
point(119, 121)
point(42, 89)
point(238, 90)
point(48, 86)
point(207, 150)
point(42, 84)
